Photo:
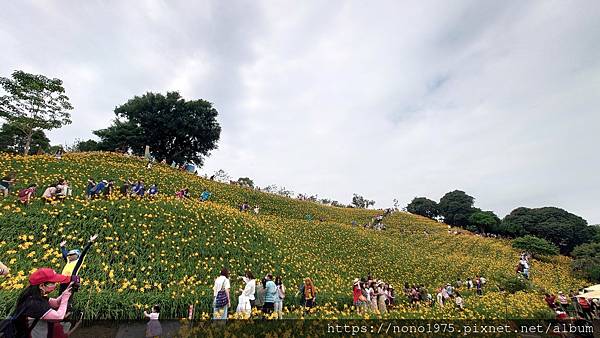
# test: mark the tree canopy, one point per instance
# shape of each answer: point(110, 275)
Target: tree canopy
point(33, 102)
point(536, 246)
point(175, 129)
point(586, 261)
point(485, 221)
point(424, 207)
point(456, 207)
point(360, 202)
point(12, 140)
point(558, 226)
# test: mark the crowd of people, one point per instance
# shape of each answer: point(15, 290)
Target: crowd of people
point(103, 188)
point(573, 305)
point(266, 295)
point(372, 295)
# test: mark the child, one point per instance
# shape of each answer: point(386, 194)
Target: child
point(153, 328)
point(74, 258)
point(25, 195)
point(459, 301)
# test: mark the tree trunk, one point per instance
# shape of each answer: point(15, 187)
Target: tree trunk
point(28, 143)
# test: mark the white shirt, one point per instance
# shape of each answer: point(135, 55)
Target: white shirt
point(152, 315)
point(250, 288)
point(221, 282)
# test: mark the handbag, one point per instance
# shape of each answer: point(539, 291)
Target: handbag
point(221, 299)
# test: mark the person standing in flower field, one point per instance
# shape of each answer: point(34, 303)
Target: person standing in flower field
point(74, 258)
point(357, 296)
point(280, 296)
point(310, 293)
point(221, 300)
point(246, 299)
point(479, 286)
point(270, 295)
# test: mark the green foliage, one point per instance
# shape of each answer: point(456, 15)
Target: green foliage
point(485, 221)
point(34, 102)
point(586, 261)
point(424, 207)
point(514, 284)
point(13, 140)
point(556, 225)
point(175, 129)
point(85, 146)
point(456, 207)
point(245, 182)
point(536, 246)
point(361, 202)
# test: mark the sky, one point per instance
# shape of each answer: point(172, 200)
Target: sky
point(387, 99)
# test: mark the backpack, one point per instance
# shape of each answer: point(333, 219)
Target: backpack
point(8, 327)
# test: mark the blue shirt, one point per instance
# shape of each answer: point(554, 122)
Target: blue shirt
point(271, 292)
point(98, 188)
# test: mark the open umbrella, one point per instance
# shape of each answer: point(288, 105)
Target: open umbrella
point(592, 288)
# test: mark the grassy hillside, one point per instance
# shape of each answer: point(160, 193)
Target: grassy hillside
point(168, 251)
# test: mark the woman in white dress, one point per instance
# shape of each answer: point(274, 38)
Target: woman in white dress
point(246, 299)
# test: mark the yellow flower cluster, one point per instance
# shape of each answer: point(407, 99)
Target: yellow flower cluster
point(168, 251)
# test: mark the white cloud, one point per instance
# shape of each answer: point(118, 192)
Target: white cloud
point(385, 99)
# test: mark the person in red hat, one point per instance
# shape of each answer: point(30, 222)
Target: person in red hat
point(37, 313)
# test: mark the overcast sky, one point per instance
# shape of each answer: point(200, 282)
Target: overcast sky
point(389, 99)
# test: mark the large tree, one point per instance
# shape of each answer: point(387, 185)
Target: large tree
point(485, 221)
point(536, 246)
point(586, 261)
point(556, 225)
point(33, 102)
point(456, 207)
point(175, 129)
point(13, 140)
point(424, 207)
point(360, 202)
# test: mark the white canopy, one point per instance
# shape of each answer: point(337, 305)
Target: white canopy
point(590, 295)
point(592, 288)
